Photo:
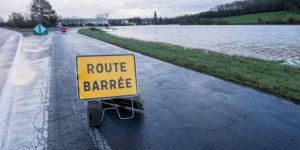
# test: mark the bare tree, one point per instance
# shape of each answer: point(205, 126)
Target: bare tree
point(155, 17)
point(102, 15)
point(2, 23)
point(16, 20)
point(99, 16)
point(42, 12)
point(106, 15)
point(1, 20)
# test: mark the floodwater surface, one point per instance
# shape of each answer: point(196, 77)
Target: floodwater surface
point(268, 42)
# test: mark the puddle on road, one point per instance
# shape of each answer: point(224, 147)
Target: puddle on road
point(35, 46)
point(24, 73)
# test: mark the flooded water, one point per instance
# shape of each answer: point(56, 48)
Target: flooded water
point(280, 42)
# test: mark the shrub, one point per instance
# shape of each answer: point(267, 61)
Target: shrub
point(291, 20)
point(279, 21)
point(260, 20)
point(222, 22)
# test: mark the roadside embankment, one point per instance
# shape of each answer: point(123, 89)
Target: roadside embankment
point(267, 76)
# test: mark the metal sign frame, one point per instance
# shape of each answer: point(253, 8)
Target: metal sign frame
point(114, 106)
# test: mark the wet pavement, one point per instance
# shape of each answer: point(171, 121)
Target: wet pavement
point(183, 109)
point(25, 94)
point(9, 41)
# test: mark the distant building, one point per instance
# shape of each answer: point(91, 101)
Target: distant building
point(96, 21)
point(124, 22)
point(132, 24)
point(84, 21)
point(118, 22)
point(59, 25)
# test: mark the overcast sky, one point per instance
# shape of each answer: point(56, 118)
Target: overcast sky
point(116, 8)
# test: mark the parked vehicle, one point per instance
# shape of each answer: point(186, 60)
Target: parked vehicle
point(63, 29)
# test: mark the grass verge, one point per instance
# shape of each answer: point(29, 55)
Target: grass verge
point(268, 76)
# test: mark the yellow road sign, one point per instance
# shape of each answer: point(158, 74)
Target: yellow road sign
point(103, 77)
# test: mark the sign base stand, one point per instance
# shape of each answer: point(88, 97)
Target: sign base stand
point(115, 107)
point(94, 113)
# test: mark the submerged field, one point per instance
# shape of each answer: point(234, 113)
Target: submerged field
point(267, 76)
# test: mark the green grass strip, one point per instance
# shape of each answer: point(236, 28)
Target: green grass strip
point(267, 76)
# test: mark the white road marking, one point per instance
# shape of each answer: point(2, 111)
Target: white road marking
point(6, 96)
point(98, 139)
point(25, 97)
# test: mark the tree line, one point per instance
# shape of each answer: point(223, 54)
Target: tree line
point(40, 12)
point(144, 21)
point(231, 9)
point(243, 8)
point(251, 7)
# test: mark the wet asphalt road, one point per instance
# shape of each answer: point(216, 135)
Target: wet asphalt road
point(8, 46)
point(183, 109)
point(24, 96)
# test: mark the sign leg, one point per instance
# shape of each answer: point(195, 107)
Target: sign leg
point(94, 113)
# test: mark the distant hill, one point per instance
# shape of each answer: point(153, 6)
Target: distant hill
point(238, 12)
point(250, 7)
point(281, 17)
point(248, 12)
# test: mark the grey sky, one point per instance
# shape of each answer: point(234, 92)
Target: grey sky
point(116, 8)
